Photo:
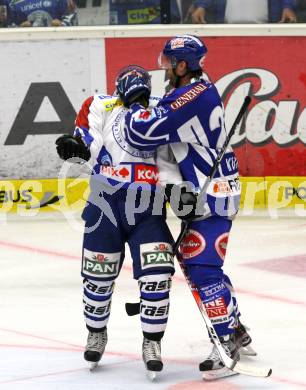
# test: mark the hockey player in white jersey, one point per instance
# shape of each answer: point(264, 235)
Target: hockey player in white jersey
point(190, 119)
point(121, 176)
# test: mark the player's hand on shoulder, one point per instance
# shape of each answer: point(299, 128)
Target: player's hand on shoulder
point(68, 146)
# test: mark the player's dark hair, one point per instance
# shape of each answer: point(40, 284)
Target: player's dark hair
point(196, 74)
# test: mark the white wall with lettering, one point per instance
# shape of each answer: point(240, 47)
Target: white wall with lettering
point(66, 72)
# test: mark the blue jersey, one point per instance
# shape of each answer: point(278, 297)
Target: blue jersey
point(191, 120)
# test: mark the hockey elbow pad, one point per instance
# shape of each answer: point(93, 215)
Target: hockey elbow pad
point(68, 147)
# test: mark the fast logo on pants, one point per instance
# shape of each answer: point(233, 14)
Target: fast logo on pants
point(95, 309)
point(154, 315)
point(100, 265)
point(154, 311)
point(156, 255)
point(155, 283)
point(192, 245)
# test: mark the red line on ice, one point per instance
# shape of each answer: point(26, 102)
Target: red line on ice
point(25, 378)
point(127, 267)
point(178, 386)
point(43, 251)
point(77, 348)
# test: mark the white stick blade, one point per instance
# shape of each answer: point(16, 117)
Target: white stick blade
point(251, 370)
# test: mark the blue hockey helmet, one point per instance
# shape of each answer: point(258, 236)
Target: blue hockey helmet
point(133, 70)
point(186, 48)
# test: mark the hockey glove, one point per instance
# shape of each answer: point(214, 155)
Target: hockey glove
point(132, 89)
point(68, 146)
point(186, 198)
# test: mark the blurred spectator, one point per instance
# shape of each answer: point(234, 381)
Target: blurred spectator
point(40, 13)
point(3, 13)
point(140, 12)
point(185, 8)
point(244, 11)
point(301, 11)
point(93, 12)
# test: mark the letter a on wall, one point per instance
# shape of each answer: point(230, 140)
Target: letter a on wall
point(25, 123)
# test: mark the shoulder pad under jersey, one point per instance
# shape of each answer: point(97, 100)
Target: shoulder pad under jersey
point(153, 101)
point(108, 102)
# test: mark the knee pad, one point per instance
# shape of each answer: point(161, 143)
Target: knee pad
point(209, 281)
point(154, 302)
point(203, 275)
point(97, 297)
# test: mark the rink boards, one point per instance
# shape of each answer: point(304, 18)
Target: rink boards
point(41, 96)
point(33, 196)
point(269, 142)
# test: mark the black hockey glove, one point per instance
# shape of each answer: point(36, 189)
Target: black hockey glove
point(68, 146)
point(180, 196)
point(132, 89)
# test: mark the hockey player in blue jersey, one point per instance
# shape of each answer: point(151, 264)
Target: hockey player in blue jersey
point(120, 173)
point(190, 119)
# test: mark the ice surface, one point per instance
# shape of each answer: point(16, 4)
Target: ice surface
point(42, 332)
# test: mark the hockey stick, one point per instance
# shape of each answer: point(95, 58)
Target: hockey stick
point(134, 308)
point(232, 364)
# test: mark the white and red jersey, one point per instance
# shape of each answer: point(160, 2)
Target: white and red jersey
point(100, 124)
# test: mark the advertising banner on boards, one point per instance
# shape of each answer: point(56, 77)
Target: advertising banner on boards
point(49, 80)
point(271, 139)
